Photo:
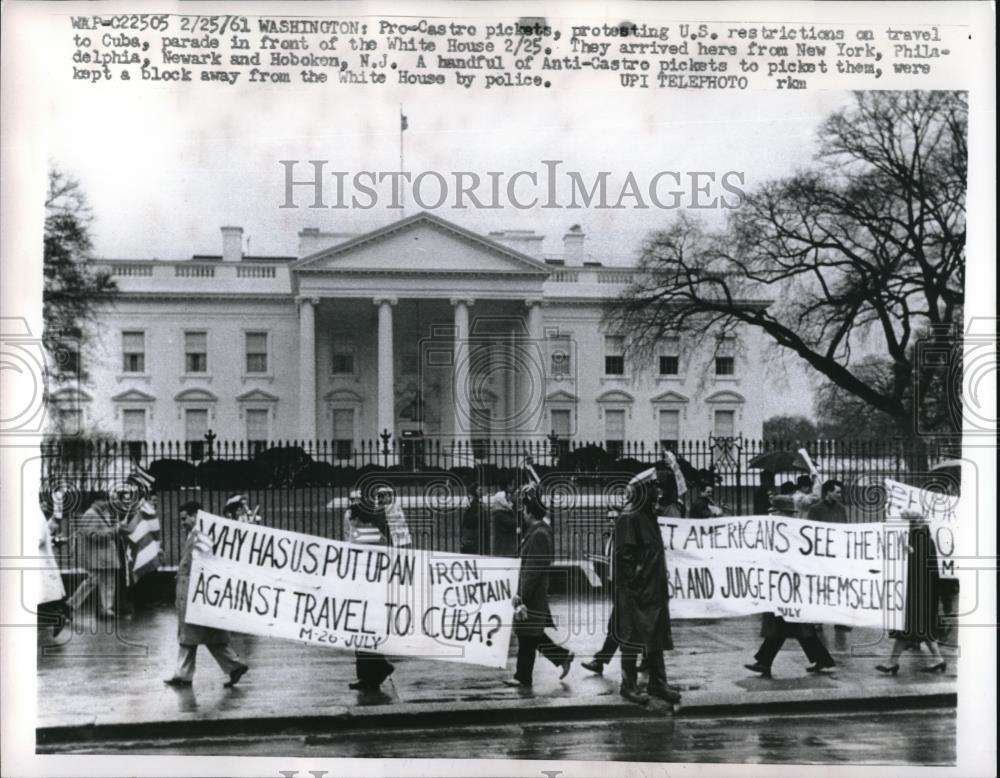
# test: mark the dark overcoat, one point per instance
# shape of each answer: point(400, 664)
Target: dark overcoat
point(471, 530)
point(192, 634)
point(923, 588)
point(642, 611)
point(504, 532)
point(537, 553)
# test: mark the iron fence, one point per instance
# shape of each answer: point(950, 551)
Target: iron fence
point(304, 486)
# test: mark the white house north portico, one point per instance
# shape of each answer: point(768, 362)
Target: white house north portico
point(420, 328)
point(400, 293)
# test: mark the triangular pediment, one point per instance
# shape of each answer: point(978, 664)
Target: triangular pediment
point(256, 396)
point(562, 396)
point(133, 396)
point(423, 243)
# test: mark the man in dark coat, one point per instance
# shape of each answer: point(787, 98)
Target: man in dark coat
point(503, 520)
point(471, 542)
point(190, 636)
point(642, 613)
point(762, 496)
point(532, 615)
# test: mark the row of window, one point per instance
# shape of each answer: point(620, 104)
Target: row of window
point(195, 352)
point(723, 425)
point(255, 350)
point(669, 363)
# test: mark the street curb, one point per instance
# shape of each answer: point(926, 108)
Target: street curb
point(718, 704)
point(479, 713)
point(381, 717)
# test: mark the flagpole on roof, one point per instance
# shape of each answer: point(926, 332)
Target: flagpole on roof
point(402, 192)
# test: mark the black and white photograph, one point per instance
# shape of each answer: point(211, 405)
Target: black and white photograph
point(498, 388)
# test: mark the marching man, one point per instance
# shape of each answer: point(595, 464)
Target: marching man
point(190, 636)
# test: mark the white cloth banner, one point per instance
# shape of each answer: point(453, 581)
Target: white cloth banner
point(942, 517)
point(801, 570)
point(275, 583)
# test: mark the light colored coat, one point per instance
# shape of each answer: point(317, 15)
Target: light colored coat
point(192, 634)
point(51, 586)
point(95, 538)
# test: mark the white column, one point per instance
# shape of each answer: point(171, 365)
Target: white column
point(510, 388)
point(307, 368)
point(531, 402)
point(386, 376)
point(460, 382)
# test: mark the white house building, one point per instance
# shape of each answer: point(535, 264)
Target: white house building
point(420, 328)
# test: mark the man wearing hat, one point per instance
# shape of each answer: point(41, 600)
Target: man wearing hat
point(532, 615)
point(190, 636)
point(642, 614)
point(97, 550)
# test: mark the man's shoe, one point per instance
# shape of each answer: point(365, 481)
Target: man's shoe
point(596, 666)
point(363, 686)
point(665, 693)
point(515, 683)
point(566, 665)
point(235, 676)
point(632, 694)
point(757, 667)
point(178, 682)
point(820, 667)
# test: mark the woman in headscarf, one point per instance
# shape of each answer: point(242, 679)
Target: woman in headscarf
point(922, 591)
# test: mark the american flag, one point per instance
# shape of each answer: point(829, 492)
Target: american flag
point(143, 543)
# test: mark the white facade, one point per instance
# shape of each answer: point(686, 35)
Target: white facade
point(418, 328)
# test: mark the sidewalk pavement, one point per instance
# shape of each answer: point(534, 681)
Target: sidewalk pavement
point(96, 685)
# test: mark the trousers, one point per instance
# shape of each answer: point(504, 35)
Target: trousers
point(655, 667)
point(221, 652)
point(530, 645)
point(103, 582)
point(813, 648)
point(372, 668)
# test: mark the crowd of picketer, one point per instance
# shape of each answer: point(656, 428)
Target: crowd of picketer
point(109, 540)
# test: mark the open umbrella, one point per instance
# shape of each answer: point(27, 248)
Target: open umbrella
point(780, 462)
point(945, 476)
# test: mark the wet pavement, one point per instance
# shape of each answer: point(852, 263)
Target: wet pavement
point(839, 738)
point(100, 676)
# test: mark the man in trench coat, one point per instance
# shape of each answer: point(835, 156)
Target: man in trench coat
point(642, 613)
point(190, 636)
point(96, 547)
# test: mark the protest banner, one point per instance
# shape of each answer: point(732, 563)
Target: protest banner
point(940, 510)
point(806, 571)
point(276, 583)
